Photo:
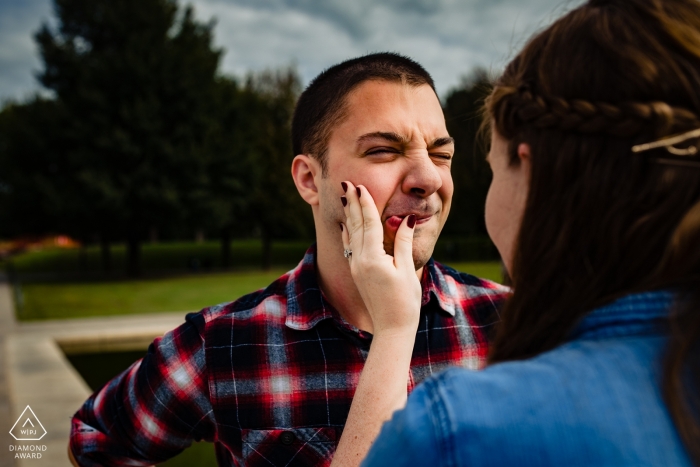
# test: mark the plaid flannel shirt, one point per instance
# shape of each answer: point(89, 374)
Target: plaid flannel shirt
point(269, 378)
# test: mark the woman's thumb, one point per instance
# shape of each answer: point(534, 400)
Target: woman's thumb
point(403, 243)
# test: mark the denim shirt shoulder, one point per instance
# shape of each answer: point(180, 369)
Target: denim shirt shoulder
point(595, 400)
point(639, 313)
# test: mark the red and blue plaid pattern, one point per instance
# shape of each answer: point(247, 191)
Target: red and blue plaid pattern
point(269, 378)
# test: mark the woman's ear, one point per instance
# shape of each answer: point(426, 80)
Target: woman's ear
point(524, 152)
point(525, 158)
point(305, 169)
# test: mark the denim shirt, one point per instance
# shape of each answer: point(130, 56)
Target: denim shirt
point(595, 400)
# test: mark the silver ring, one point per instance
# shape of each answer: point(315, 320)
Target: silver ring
point(347, 253)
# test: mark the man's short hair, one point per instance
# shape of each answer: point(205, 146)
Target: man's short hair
point(322, 104)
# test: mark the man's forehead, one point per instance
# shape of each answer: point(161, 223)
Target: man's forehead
point(393, 107)
point(382, 93)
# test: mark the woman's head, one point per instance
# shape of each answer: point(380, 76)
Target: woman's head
point(598, 220)
point(607, 76)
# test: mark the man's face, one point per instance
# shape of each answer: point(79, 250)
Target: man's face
point(394, 142)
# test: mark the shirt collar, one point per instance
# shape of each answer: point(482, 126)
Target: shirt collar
point(631, 314)
point(306, 306)
point(434, 284)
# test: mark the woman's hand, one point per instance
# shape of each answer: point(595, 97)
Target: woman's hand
point(391, 291)
point(388, 284)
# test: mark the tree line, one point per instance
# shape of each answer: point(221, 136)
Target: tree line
point(138, 135)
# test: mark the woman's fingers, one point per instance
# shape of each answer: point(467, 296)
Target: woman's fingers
point(376, 274)
point(373, 238)
point(364, 230)
point(354, 220)
point(346, 238)
point(403, 244)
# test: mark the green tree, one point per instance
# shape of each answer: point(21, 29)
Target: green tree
point(470, 171)
point(221, 203)
point(137, 79)
point(35, 183)
point(274, 206)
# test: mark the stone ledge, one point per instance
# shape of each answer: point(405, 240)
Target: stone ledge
point(106, 343)
point(39, 374)
point(41, 377)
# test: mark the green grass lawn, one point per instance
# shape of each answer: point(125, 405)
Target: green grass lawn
point(490, 270)
point(177, 257)
point(189, 293)
point(198, 454)
point(166, 256)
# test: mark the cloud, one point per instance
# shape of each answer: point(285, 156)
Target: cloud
point(19, 58)
point(449, 37)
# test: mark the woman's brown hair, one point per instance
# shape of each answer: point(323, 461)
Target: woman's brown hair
point(602, 221)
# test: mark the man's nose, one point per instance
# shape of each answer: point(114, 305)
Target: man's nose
point(423, 178)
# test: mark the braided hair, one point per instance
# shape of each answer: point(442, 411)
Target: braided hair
point(517, 107)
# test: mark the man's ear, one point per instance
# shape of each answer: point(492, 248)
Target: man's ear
point(305, 169)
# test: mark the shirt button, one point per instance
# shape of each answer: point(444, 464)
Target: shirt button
point(287, 438)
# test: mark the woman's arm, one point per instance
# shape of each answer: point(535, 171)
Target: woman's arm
point(391, 291)
point(380, 392)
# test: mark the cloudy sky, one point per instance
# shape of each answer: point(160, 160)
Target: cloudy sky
point(449, 37)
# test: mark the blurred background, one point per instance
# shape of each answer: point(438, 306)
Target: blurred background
point(145, 146)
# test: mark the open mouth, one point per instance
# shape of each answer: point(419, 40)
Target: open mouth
point(393, 222)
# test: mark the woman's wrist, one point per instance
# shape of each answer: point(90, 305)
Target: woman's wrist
point(395, 336)
point(407, 332)
point(399, 325)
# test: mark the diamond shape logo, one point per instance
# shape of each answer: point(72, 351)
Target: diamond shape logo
point(28, 427)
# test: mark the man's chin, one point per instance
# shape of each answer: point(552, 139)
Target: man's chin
point(421, 258)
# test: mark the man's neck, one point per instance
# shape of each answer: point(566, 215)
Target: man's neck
point(335, 281)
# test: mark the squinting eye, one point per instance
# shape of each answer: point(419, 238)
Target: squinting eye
point(381, 151)
point(446, 157)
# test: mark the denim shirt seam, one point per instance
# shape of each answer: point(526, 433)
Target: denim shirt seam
point(441, 423)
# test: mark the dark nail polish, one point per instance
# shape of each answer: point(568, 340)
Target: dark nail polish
point(359, 192)
point(411, 221)
point(344, 200)
point(345, 186)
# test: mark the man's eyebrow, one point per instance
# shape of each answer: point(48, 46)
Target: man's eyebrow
point(397, 138)
point(444, 141)
point(387, 135)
